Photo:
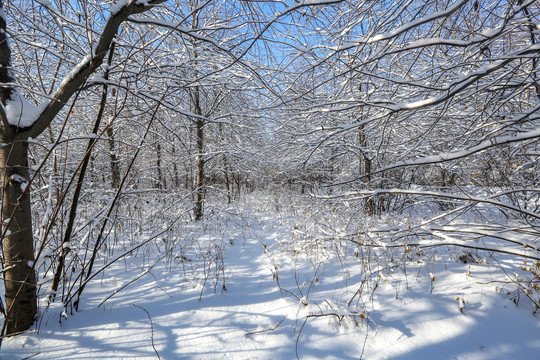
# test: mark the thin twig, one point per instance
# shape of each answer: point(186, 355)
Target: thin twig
point(298, 337)
point(128, 283)
point(151, 328)
point(271, 328)
point(31, 356)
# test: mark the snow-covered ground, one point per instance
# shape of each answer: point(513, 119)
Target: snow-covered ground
point(263, 294)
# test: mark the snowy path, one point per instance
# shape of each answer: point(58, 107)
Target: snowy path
point(251, 320)
point(218, 326)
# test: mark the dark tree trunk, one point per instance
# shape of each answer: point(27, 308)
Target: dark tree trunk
point(227, 182)
point(115, 171)
point(365, 168)
point(160, 178)
point(176, 178)
point(16, 217)
point(199, 132)
point(199, 184)
point(18, 242)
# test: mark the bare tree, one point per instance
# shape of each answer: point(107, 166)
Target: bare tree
point(452, 107)
point(21, 121)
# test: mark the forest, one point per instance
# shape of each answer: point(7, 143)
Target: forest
point(287, 179)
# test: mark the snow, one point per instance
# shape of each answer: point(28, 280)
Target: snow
point(429, 159)
point(44, 2)
point(3, 15)
point(488, 33)
point(20, 180)
point(75, 71)
point(444, 308)
point(117, 6)
point(97, 79)
point(20, 112)
point(451, 9)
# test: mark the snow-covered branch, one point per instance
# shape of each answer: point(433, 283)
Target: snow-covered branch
point(89, 64)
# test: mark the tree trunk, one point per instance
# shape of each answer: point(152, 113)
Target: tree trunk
point(18, 242)
point(16, 217)
point(199, 129)
point(227, 181)
point(199, 185)
point(176, 178)
point(238, 184)
point(115, 171)
point(160, 178)
point(365, 168)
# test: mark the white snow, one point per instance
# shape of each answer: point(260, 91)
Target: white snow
point(17, 178)
point(429, 159)
point(441, 309)
point(75, 71)
point(20, 112)
point(20, 180)
point(117, 6)
point(452, 8)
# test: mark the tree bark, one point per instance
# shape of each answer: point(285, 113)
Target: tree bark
point(227, 181)
point(18, 244)
point(160, 184)
point(365, 168)
point(115, 171)
point(176, 178)
point(199, 130)
point(16, 217)
point(199, 184)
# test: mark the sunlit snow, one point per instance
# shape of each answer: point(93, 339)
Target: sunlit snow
point(20, 112)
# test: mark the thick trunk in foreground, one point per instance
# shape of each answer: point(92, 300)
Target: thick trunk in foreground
point(17, 240)
point(18, 243)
